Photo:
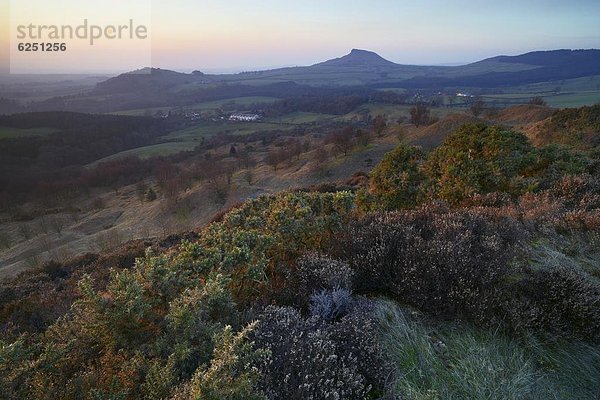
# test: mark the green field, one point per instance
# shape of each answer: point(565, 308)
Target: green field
point(298, 118)
point(558, 100)
point(239, 102)
point(162, 149)
point(560, 94)
point(392, 112)
point(187, 139)
point(195, 133)
point(574, 99)
point(8, 132)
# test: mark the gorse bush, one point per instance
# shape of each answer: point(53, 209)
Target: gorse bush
point(395, 181)
point(152, 327)
point(478, 159)
point(555, 161)
point(229, 376)
point(252, 240)
point(474, 160)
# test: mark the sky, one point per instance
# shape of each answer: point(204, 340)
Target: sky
point(234, 35)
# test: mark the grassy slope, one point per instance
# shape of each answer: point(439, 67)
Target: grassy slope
point(438, 359)
point(139, 219)
point(187, 139)
point(442, 360)
point(124, 216)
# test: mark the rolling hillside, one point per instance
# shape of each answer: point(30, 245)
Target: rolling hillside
point(554, 73)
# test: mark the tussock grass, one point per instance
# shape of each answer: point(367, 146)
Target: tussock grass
point(570, 370)
point(450, 362)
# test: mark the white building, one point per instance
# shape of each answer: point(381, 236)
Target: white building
point(244, 117)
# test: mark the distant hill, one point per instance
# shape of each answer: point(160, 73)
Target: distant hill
point(359, 70)
point(359, 58)
point(148, 79)
point(553, 58)
point(539, 66)
point(362, 67)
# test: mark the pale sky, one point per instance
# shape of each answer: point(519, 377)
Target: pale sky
point(224, 35)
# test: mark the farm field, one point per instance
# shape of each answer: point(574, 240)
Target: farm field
point(8, 132)
point(198, 107)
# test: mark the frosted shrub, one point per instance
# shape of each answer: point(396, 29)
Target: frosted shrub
point(318, 272)
point(331, 304)
point(313, 359)
point(556, 299)
point(437, 260)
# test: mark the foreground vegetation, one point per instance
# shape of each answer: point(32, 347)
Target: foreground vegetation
point(469, 272)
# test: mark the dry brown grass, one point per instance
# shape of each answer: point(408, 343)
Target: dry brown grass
point(524, 114)
point(433, 135)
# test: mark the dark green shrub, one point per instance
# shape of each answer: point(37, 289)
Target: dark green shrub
point(478, 159)
point(395, 181)
point(555, 161)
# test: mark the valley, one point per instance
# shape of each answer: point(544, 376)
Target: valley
point(354, 229)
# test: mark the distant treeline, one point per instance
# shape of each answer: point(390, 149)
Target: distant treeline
point(144, 95)
point(80, 139)
point(336, 103)
point(30, 166)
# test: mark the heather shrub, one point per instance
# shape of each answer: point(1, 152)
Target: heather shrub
point(578, 191)
point(540, 211)
point(444, 262)
point(311, 358)
point(316, 272)
point(557, 299)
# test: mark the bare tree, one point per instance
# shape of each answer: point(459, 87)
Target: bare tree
point(477, 107)
point(343, 140)
point(419, 115)
point(538, 101)
point(274, 158)
point(379, 124)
